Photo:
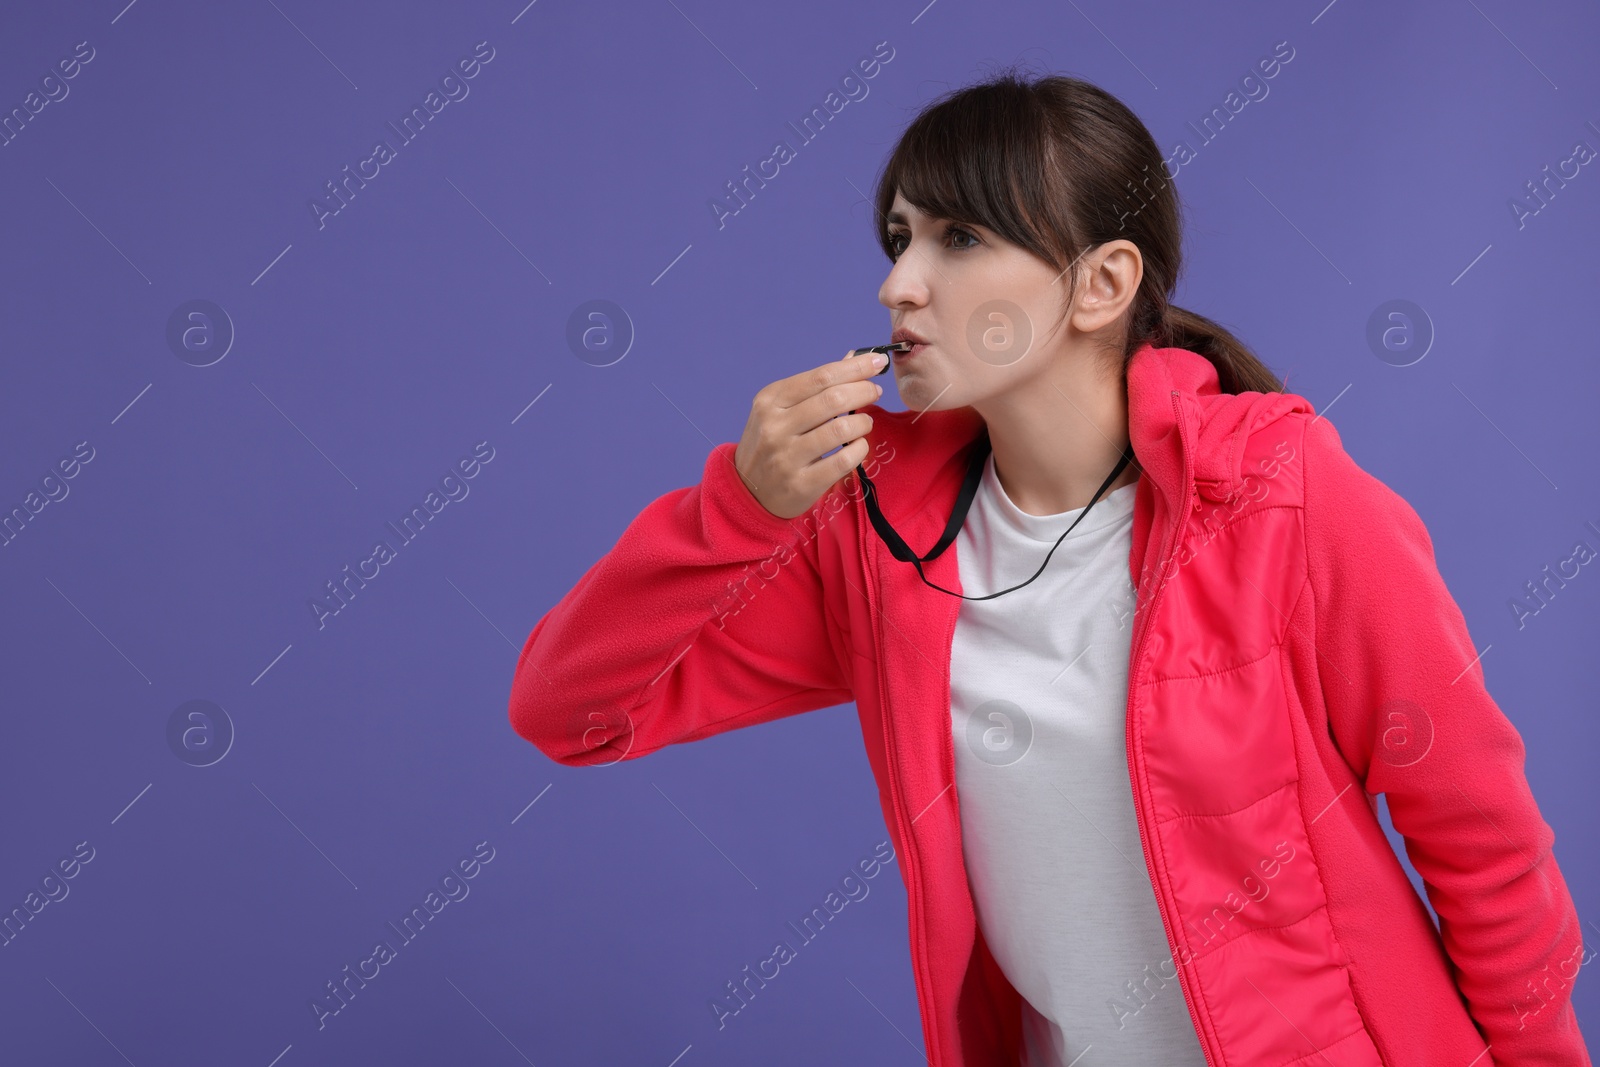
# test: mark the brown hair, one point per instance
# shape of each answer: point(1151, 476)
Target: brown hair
point(1059, 166)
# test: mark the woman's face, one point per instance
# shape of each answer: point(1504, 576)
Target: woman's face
point(983, 305)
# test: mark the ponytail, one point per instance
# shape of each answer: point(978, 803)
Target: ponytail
point(1238, 369)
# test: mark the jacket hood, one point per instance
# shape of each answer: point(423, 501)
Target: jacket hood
point(1184, 428)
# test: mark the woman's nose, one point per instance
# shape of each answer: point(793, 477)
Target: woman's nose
point(903, 288)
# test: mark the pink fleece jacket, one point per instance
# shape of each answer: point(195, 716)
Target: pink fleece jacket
point(1295, 653)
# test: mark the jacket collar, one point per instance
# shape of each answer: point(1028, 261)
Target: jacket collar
point(1189, 436)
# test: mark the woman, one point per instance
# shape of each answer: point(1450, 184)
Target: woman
point(1127, 736)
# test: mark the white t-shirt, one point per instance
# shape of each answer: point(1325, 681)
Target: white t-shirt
point(1039, 691)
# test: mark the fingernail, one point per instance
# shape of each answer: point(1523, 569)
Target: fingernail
point(879, 359)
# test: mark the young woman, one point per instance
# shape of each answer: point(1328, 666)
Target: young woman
point(1128, 734)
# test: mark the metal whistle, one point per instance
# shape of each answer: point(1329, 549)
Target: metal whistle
point(898, 346)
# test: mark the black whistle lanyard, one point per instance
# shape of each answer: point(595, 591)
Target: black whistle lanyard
point(969, 489)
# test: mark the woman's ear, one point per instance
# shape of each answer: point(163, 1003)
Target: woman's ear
point(1108, 282)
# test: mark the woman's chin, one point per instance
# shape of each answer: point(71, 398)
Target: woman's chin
point(918, 393)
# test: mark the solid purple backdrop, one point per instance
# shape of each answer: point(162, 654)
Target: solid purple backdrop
point(374, 348)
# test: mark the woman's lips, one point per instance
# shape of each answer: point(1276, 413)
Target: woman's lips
point(911, 352)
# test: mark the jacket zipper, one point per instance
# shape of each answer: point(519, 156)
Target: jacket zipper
point(1138, 796)
point(914, 881)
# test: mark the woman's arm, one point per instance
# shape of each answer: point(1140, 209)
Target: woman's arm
point(707, 615)
point(1390, 640)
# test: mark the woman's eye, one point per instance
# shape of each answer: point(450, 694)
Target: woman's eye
point(950, 232)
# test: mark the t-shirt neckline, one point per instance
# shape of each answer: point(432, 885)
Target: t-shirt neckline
point(1114, 506)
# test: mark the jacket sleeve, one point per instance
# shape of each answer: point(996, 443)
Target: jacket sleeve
point(1408, 708)
point(705, 616)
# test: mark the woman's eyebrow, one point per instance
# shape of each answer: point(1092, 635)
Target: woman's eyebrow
point(896, 218)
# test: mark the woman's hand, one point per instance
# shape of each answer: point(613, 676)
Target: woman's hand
point(794, 421)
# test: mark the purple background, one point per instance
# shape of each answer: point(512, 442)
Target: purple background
point(428, 315)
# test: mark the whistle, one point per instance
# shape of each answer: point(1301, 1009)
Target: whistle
point(898, 346)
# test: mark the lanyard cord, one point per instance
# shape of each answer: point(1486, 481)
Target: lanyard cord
point(969, 489)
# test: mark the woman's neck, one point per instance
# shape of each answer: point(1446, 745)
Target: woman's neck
point(1055, 440)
